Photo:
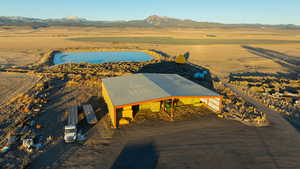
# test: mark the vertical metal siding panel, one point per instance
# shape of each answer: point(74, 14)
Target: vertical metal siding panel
point(214, 103)
point(111, 108)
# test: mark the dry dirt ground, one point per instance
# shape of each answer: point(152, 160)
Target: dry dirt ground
point(206, 142)
point(11, 84)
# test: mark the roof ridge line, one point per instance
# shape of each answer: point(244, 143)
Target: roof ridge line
point(156, 83)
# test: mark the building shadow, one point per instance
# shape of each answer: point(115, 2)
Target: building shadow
point(138, 155)
point(294, 122)
point(164, 55)
point(99, 106)
point(278, 75)
point(185, 70)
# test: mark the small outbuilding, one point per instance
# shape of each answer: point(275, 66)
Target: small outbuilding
point(126, 95)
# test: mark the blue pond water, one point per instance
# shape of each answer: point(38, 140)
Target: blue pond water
point(101, 57)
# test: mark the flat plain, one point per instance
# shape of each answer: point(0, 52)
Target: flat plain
point(222, 53)
point(214, 143)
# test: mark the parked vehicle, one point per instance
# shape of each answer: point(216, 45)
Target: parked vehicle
point(89, 114)
point(70, 134)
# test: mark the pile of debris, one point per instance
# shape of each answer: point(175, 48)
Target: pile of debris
point(21, 143)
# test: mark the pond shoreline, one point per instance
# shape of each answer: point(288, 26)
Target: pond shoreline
point(48, 59)
point(101, 57)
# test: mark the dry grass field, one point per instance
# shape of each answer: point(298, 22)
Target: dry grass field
point(12, 84)
point(23, 46)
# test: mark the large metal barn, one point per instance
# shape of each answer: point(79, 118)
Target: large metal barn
point(126, 94)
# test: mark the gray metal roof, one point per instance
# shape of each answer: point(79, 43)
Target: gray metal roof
point(142, 87)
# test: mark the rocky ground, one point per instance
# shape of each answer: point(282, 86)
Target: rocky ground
point(115, 69)
point(38, 113)
point(281, 93)
point(236, 108)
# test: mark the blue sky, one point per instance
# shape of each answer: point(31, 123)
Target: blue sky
point(224, 11)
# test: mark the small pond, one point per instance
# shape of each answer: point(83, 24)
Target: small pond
point(101, 57)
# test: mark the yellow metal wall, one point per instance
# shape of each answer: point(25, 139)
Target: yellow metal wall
point(111, 109)
point(191, 100)
point(127, 112)
point(153, 106)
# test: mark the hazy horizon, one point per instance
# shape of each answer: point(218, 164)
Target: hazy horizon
point(232, 12)
point(144, 18)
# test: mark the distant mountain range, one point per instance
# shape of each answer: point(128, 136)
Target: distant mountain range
point(151, 21)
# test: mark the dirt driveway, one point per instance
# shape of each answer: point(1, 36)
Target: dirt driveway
point(206, 142)
point(202, 143)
